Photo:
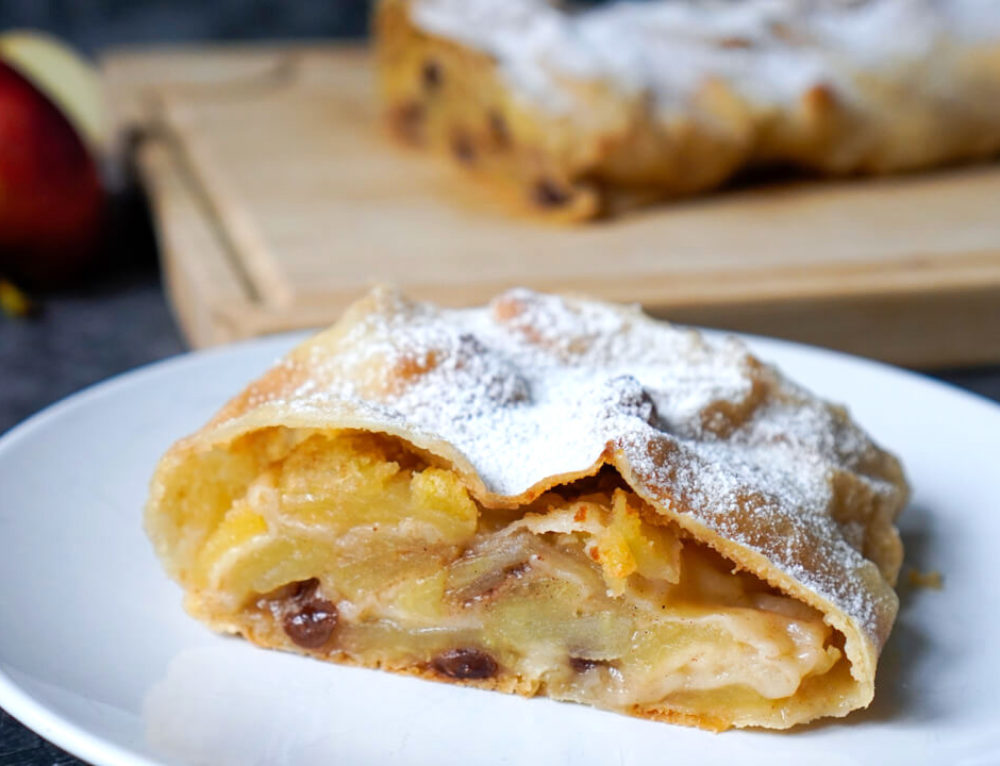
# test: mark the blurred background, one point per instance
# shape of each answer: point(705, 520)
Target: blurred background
point(58, 335)
point(95, 25)
point(83, 317)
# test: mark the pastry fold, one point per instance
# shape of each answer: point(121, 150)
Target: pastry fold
point(548, 495)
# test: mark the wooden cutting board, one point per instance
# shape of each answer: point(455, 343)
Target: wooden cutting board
point(278, 200)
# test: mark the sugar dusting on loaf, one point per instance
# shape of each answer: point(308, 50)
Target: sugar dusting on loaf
point(768, 51)
point(535, 386)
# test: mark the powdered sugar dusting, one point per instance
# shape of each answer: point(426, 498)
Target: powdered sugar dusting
point(537, 386)
point(767, 51)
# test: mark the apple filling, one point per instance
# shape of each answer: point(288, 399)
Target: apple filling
point(352, 547)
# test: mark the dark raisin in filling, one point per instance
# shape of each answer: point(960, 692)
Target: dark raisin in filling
point(547, 194)
point(308, 618)
point(313, 626)
point(582, 664)
point(465, 664)
point(431, 76)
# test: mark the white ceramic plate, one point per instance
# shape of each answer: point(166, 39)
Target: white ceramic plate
point(97, 655)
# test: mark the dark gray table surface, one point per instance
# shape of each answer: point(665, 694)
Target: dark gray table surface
point(114, 323)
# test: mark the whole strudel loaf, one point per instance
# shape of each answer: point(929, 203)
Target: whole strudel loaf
point(579, 113)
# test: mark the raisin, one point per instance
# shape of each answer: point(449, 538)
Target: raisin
point(431, 76)
point(582, 664)
point(630, 398)
point(313, 625)
point(308, 618)
point(463, 148)
point(547, 193)
point(465, 663)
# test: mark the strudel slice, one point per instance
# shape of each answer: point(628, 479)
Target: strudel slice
point(548, 496)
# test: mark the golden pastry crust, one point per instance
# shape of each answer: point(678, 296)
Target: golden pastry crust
point(535, 392)
point(562, 127)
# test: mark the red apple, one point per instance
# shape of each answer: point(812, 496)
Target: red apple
point(51, 198)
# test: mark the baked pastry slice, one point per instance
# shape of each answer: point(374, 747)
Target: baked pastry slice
point(577, 113)
point(545, 496)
